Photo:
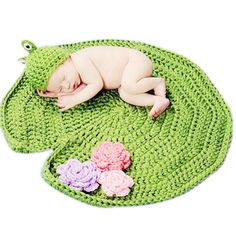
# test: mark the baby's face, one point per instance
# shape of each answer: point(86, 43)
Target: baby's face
point(65, 79)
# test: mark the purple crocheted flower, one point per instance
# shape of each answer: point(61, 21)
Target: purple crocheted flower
point(80, 176)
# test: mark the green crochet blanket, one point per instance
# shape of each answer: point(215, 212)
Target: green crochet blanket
point(170, 155)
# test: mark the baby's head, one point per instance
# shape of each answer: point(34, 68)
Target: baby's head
point(64, 79)
point(50, 68)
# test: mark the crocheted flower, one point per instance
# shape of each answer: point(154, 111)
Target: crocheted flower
point(116, 183)
point(80, 176)
point(111, 156)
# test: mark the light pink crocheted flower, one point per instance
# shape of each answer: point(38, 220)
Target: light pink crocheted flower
point(111, 156)
point(115, 183)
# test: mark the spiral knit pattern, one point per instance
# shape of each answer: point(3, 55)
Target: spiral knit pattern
point(170, 155)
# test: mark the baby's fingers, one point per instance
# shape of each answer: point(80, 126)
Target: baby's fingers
point(50, 94)
point(63, 109)
point(59, 104)
point(40, 93)
point(45, 94)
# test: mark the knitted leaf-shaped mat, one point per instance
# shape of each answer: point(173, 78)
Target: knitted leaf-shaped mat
point(170, 155)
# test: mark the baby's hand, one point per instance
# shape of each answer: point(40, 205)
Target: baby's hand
point(46, 94)
point(67, 101)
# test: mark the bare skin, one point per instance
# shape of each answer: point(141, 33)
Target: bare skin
point(89, 70)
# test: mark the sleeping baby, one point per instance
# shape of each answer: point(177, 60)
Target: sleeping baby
point(78, 76)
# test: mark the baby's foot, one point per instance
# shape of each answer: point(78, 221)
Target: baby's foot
point(160, 106)
point(160, 90)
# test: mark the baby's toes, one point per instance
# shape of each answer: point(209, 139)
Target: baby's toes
point(152, 114)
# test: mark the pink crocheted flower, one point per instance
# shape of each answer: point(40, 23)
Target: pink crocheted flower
point(111, 156)
point(115, 183)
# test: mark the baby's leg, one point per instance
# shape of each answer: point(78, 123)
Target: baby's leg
point(145, 84)
point(159, 103)
point(137, 78)
point(160, 89)
point(136, 81)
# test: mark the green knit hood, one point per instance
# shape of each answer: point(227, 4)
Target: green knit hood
point(42, 62)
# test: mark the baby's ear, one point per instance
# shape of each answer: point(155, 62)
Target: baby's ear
point(22, 60)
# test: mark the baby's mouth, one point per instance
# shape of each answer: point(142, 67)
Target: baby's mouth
point(75, 87)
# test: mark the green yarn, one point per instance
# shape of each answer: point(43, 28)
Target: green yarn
point(170, 155)
point(42, 62)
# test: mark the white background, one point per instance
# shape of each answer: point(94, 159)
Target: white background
point(203, 31)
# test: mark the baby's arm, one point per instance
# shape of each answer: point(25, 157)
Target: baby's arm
point(90, 76)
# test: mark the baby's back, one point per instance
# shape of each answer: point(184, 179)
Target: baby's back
point(110, 61)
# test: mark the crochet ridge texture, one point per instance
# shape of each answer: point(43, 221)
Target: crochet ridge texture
point(170, 155)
